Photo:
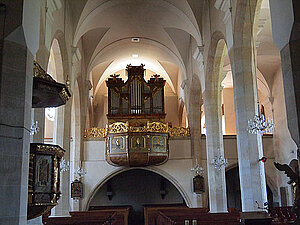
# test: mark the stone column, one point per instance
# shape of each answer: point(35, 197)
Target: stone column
point(75, 145)
point(15, 109)
point(249, 146)
point(214, 149)
point(62, 129)
point(16, 65)
point(16, 69)
point(194, 116)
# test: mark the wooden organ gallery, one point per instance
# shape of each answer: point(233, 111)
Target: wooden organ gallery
point(136, 133)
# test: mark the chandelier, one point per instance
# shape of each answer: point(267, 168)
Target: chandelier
point(34, 128)
point(219, 161)
point(259, 125)
point(64, 165)
point(197, 169)
point(79, 173)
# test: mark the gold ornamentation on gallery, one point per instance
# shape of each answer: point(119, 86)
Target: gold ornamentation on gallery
point(120, 127)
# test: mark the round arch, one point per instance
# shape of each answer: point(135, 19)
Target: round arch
point(59, 43)
point(54, 117)
point(162, 173)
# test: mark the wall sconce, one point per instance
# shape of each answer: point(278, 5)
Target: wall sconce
point(34, 128)
point(263, 159)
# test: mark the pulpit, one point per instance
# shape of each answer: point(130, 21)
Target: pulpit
point(44, 161)
point(44, 178)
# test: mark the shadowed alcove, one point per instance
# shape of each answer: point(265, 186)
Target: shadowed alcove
point(136, 187)
point(234, 190)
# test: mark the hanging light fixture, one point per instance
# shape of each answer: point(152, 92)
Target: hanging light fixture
point(198, 179)
point(259, 125)
point(79, 173)
point(64, 165)
point(219, 161)
point(34, 128)
point(197, 170)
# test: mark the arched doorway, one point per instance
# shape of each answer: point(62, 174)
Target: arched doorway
point(136, 187)
point(234, 191)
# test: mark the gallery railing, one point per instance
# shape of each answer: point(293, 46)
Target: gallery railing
point(137, 145)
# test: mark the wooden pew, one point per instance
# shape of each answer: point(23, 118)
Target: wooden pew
point(282, 215)
point(178, 215)
point(151, 212)
point(103, 216)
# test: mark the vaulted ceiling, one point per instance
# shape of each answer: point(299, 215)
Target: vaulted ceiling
point(164, 28)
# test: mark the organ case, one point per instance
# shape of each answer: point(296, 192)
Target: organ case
point(135, 98)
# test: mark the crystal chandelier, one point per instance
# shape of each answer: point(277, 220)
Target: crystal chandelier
point(219, 161)
point(64, 165)
point(259, 125)
point(79, 173)
point(197, 169)
point(34, 128)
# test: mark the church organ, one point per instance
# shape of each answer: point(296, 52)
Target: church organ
point(135, 98)
point(136, 133)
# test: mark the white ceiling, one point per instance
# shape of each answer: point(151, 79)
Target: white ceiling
point(165, 28)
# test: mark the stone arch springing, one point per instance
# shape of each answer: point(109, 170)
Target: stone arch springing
point(183, 119)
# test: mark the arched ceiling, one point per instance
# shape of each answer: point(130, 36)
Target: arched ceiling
point(165, 29)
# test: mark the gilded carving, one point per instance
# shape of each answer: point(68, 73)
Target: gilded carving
point(118, 127)
point(40, 73)
point(95, 132)
point(49, 148)
point(137, 129)
point(157, 127)
point(64, 95)
point(179, 132)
